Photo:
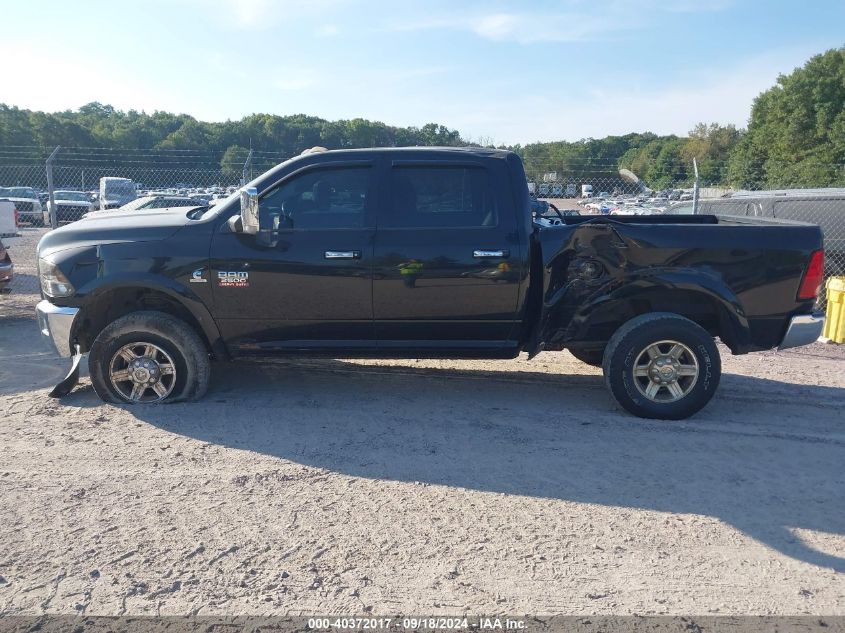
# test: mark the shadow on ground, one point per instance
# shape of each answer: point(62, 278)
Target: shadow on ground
point(765, 456)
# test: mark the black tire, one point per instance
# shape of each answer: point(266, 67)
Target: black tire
point(592, 357)
point(172, 336)
point(624, 356)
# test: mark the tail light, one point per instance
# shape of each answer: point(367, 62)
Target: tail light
point(811, 284)
point(17, 218)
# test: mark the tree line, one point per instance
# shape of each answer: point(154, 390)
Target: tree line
point(795, 138)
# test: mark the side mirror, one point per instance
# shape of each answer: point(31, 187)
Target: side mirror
point(249, 211)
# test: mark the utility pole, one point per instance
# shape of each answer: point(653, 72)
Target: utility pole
point(54, 222)
point(695, 188)
point(247, 168)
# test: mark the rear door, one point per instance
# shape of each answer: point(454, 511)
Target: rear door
point(446, 256)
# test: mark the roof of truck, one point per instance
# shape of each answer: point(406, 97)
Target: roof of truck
point(481, 151)
point(315, 156)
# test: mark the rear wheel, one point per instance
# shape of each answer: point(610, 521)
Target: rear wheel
point(148, 357)
point(662, 365)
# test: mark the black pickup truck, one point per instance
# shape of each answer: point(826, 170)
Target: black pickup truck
point(420, 253)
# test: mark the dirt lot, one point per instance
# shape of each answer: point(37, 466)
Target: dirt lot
point(427, 487)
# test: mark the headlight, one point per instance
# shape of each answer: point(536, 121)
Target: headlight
point(53, 281)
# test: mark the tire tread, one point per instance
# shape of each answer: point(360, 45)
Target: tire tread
point(634, 325)
point(163, 325)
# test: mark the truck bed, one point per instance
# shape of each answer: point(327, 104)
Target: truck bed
point(731, 274)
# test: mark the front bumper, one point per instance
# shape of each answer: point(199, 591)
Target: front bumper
point(56, 323)
point(803, 330)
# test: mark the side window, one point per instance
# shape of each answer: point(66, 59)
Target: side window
point(729, 208)
point(818, 211)
point(434, 197)
point(328, 198)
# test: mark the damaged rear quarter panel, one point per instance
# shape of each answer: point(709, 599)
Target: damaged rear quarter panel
point(663, 263)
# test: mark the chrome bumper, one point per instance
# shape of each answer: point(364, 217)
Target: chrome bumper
point(803, 330)
point(55, 323)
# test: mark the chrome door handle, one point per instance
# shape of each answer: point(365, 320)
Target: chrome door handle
point(343, 254)
point(483, 253)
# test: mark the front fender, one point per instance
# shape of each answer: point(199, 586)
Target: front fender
point(100, 286)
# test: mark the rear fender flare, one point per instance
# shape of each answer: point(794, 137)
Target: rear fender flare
point(733, 323)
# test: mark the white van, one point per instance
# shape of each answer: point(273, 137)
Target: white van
point(115, 192)
point(8, 224)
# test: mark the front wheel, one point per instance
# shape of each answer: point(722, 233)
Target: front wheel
point(662, 365)
point(148, 357)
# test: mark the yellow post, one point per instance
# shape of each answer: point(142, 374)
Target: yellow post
point(834, 325)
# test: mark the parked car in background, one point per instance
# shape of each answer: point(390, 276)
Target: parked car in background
point(7, 269)
point(8, 219)
point(70, 206)
point(26, 202)
point(115, 192)
point(680, 208)
point(163, 202)
point(146, 203)
point(824, 207)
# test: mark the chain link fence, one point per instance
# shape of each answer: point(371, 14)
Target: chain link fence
point(625, 195)
point(43, 188)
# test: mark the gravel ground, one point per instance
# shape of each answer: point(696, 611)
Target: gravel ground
point(438, 487)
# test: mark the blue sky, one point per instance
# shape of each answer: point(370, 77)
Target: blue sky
point(499, 71)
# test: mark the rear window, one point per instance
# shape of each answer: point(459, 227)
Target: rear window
point(721, 207)
point(434, 197)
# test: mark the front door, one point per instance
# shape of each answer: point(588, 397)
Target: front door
point(445, 271)
point(305, 282)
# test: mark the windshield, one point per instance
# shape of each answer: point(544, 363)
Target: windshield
point(21, 192)
point(120, 189)
point(76, 196)
point(137, 203)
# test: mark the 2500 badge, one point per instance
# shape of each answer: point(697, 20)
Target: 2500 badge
point(232, 279)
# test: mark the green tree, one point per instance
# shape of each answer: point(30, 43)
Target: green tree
point(232, 162)
point(796, 134)
point(711, 145)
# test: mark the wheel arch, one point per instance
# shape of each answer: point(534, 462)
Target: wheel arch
point(702, 299)
point(117, 297)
